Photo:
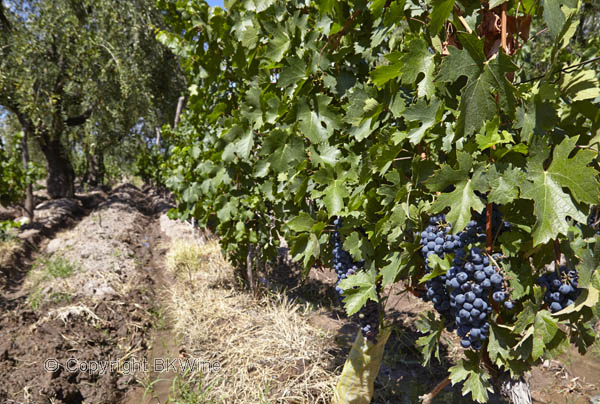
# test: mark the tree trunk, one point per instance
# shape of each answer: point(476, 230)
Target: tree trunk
point(61, 176)
point(29, 186)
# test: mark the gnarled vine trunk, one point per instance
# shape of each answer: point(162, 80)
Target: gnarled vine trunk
point(61, 176)
point(515, 390)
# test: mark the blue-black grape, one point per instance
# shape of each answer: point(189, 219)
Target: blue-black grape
point(561, 288)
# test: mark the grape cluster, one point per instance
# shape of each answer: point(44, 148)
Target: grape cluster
point(471, 280)
point(462, 295)
point(561, 288)
point(344, 266)
point(436, 239)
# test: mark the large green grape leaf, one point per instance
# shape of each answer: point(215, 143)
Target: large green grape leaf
point(504, 185)
point(499, 344)
point(293, 72)
point(302, 222)
point(287, 154)
point(544, 330)
point(462, 199)
point(334, 196)
point(545, 188)
point(553, 16)
point(426, 115)
point(278, 46)
point(319, 123)
point(476, 379)
point(416, 62)
point(359, 288)
point(580, 85)
point(484, 80)
point(409, 66)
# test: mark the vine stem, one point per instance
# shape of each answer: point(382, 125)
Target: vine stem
point(503, 32)
point(557, 253)
point(427, 398)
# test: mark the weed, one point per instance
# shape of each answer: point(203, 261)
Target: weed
point(59, 267)
point(185, 391)
point(34, 299)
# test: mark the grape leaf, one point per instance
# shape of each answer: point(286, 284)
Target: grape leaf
point(476, 379)
point(491, 136)
point(439, 267)
point(484, 78)
point(398, 262)
point(423, 113)
point(500, 343)
point(278, 46)
point(462, 199)
point(545, 188)
point(416, 62)
point(287, 154)
point(302, 222)
point(293, 72)
point(553, 16)
point(334, 196)
point(580, 85)
point(318, 124)
point(441, 12)
point(358, 289)
point(429, 344)
point(409, 66)
point(504, 185)
point(545, 328)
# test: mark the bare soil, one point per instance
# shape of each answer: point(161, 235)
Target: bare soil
point(106, 313)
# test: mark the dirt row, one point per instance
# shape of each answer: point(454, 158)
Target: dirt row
point(83, 297)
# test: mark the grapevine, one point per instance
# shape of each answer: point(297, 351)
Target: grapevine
point(473, 172)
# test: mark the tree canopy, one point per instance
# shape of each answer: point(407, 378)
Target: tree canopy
point(86, 72)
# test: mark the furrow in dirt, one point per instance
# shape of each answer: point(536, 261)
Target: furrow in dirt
point(76, 326)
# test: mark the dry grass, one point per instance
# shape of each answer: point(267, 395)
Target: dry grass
point(8, 249)
point(267, 350)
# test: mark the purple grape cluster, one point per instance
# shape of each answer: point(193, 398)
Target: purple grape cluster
point(436, 239)
point(470, 281)
point(561, 288)
point(462, 295)
point(344, 266)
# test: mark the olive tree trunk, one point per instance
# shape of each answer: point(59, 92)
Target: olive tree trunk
point(61, 176)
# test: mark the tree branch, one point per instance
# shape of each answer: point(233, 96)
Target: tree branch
point(79, 120)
